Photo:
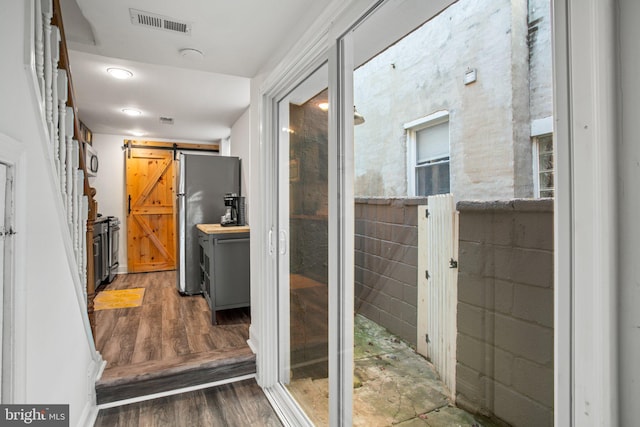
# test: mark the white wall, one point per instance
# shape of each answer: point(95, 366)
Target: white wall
point(54, 353)
point(241, 147)
point(110, 185)
point(629, 206)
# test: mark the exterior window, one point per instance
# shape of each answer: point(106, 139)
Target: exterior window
point(543, 165)
point(428, 155)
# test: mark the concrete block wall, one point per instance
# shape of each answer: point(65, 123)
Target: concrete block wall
point(386, 259)
point(505, 310)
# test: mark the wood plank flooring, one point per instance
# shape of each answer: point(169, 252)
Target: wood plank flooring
point(168, 342)
point(238, 404)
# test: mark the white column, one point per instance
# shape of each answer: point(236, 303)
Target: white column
point(84, 212)
point(39, 47)
point(47, 14)
point(55, 58)
point(75, 207)
point(62, 105)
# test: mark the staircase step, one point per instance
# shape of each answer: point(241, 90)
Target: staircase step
point(126, 382)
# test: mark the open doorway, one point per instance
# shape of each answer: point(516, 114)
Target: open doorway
point(167, 339)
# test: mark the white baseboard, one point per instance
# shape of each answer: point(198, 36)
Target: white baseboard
point(253, 341)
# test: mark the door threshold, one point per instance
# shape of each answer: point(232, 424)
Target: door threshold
point(174, 392)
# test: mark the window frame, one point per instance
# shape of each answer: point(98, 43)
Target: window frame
point(536, 164)
point(411, 129)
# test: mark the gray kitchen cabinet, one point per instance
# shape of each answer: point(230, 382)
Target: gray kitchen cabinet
point(224, 266)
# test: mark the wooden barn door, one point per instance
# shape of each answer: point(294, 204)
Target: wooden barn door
point(151, 239)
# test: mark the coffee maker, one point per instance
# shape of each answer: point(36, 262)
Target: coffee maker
point(234, 214)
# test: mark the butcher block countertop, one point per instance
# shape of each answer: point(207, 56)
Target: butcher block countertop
point(218, 229)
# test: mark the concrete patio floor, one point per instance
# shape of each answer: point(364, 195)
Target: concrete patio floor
point(392, 386)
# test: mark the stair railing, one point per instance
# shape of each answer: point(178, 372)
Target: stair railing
point(66, 140)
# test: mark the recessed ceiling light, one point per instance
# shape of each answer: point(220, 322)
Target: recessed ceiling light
point(120, 73)
point(131, 111)
point(137, 133)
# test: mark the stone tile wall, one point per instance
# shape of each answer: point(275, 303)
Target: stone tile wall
point(505, 310)
point(386, 259)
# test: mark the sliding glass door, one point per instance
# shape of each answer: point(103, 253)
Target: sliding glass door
point(309, 121)
point(303, 244)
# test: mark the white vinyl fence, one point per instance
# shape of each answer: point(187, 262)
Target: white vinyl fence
point(438, 285)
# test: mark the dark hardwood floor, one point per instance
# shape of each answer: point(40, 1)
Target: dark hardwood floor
point(238, 404)
point(168, 342)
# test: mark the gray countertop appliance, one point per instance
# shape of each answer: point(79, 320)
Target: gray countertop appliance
point(203, 181)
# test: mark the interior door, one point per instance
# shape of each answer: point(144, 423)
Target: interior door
point(151, 240)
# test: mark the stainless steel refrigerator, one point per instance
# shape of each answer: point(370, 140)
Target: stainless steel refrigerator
point(203, 180)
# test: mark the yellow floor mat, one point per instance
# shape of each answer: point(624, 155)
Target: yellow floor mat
point(122, 298)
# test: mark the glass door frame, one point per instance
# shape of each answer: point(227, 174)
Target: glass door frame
point(340, 207)
point(273, 323)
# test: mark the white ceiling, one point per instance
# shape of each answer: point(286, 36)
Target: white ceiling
point(204, 97)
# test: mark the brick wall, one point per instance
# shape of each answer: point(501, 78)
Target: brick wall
point(505, 311)
point(386, 258)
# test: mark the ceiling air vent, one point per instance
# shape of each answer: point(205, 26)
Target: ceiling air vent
point(166, 120)
point(160, 22)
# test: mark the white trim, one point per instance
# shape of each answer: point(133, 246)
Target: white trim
point(542, 126)
point(266, 323)
point(429, 120)
point(90, 410)
point(563, 225)
point(585, 323)
point(253, 342)
point(286, 407)
point(535, 159)
point(14, 304)
point(535, 165)
point(283, 243)
point(341, 233)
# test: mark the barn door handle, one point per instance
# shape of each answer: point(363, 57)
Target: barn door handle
point(129, 205)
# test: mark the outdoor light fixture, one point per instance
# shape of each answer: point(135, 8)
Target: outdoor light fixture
point(131, 112)
point(358, 118)
point(120, 73)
